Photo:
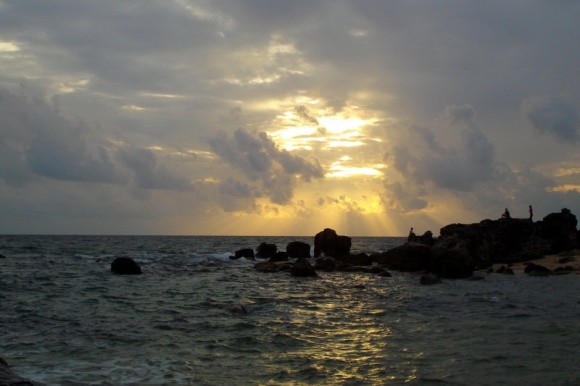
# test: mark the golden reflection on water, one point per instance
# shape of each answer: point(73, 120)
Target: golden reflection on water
point(345, 339)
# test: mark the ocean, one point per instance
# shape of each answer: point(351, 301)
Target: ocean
point(65, 319)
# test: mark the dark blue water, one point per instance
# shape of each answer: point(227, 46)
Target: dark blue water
point(66, 320)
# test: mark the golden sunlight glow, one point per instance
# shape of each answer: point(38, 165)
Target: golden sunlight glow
point(6, 46)
point(562, 172)
point(159, 95)
point(339, 171)
point(133, 108)
point(565, 188)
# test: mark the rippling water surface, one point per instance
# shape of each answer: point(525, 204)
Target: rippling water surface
point(66, 320)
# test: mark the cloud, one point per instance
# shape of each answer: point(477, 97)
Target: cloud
point(460, 166)
point(148, 173)
point(554, 116)
point(259, 160)
point(37, 140)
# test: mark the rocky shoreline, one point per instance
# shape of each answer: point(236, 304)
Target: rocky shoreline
point(507, 245)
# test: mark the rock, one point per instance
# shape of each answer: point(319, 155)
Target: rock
point(303, 268)
point(564, 269)
point(266, 250)
point(279, 256)
point(329, 243)
point(125, 266)
point(297, 249)
point(537, 270)
point(429, 279)
point(360, 259)
point(248, 253)
point(385, 273)
point(410, 256)
point(326, 263)
point(426, 238)
point(453, 257)
point(560, 229)
point(505, 270)
point(266, 266)
point(2, 256)
point(9, 378)
point(567, 259)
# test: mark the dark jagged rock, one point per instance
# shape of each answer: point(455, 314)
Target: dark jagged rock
point(2, 256)
point(560, 230)
point(329, 243)
point(426, 238)
point(410, 256)
point(9, 378)
point(453, 257)
point(279, 256)
point(248, 253)
point(302, 268)
point(297, 249)
point(125, 266)
point(266, 250)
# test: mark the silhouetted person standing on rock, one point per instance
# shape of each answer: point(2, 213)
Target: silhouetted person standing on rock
point(412, 236)
point(531, 213)
point(506, 214)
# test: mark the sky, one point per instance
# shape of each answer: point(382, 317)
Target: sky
point(254, 117)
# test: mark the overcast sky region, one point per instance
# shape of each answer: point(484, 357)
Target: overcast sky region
point(254, 117)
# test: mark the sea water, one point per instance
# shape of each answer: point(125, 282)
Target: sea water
point(65, 319)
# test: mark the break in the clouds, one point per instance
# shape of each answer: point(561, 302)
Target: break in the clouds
point(180, 116)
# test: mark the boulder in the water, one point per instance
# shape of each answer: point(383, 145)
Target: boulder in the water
point(125, 266)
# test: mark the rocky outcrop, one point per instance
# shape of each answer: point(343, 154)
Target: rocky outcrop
point(411, 256)
point(9, 378)
point(247, 253)
point(302, 267)
point(328, 243)
point(298, 249)
point(266, 250)
point(279, 256)
point(125, 266)
point(560, 229)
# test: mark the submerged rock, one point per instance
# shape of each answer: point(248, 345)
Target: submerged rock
point(9, 378)
point(125, 266)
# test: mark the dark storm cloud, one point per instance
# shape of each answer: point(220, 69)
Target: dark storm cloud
point(460, 166)
point(149, 173)
point(305, 114)
point(553, 116)
point(37, 140)
point(259, 159)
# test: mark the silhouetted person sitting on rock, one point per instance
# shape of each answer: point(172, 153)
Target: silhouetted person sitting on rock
point(412, 236)
point(506, 214)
